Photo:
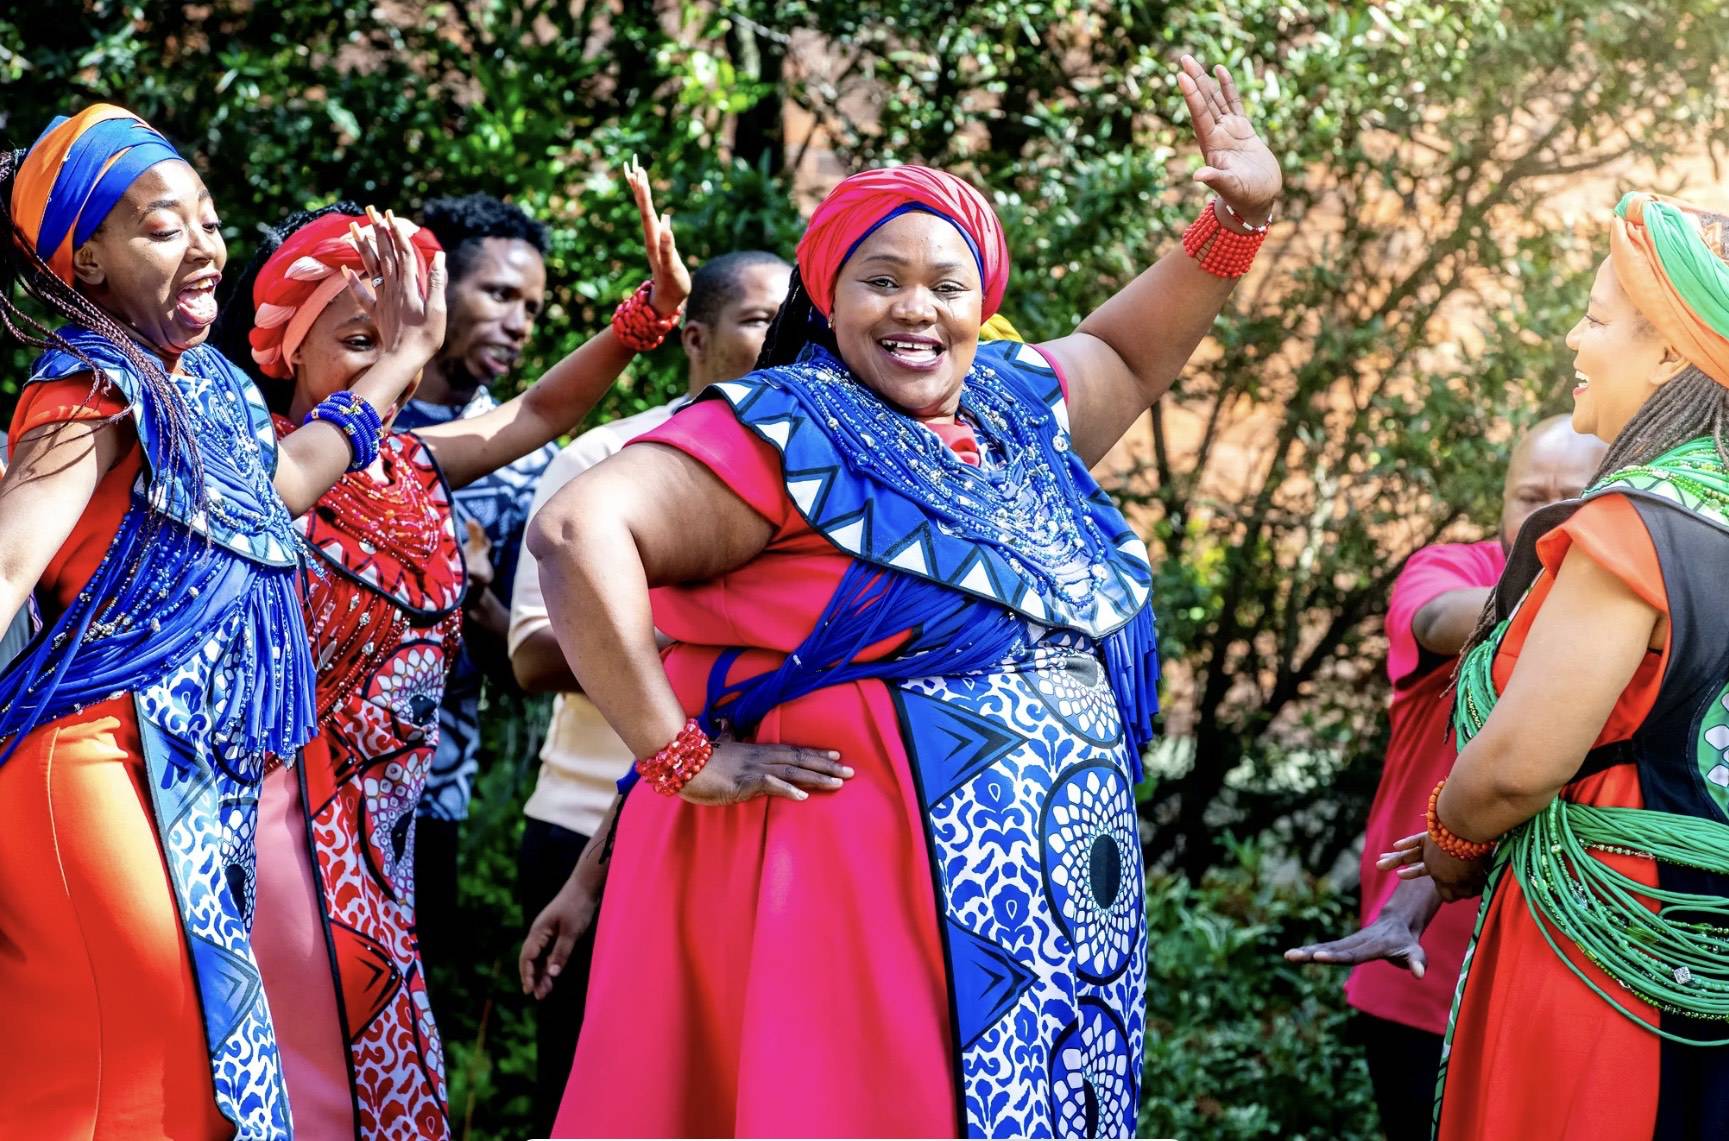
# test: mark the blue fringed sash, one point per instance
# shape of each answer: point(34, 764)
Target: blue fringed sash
point(191, 558)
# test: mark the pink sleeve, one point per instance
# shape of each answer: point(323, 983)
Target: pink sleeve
point(1428, 574)
point(709, 433)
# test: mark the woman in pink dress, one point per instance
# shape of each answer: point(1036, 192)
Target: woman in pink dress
point(925, 917)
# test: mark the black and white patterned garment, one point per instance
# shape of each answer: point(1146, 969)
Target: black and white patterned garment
point(500, 503)
point(1030, 812)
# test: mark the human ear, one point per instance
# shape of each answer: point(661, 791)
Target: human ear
point(87, 267)
point(1671, 366)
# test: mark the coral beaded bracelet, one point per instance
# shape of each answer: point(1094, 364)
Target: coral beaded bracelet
point(1222, 252)
point(679, 760)
point(636, 323)
point(1455, 846)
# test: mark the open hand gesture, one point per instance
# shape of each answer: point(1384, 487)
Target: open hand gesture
point(671, 278)
point(1239, 167)
point(409, 316)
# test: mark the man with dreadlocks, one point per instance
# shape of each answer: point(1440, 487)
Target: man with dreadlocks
point(1590, 798)
point(149, 509)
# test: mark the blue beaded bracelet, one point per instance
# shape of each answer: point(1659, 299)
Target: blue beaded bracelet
point(357, 420)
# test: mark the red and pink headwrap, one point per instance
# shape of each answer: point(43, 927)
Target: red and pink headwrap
point(303, 277)
point(858, 205)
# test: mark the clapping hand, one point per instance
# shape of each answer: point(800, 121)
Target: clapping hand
point(671, 278)
point(1239, 167)
point(409, 316)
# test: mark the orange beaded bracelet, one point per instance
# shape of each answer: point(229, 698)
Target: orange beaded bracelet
point(1455, 846)
point(1222, 252)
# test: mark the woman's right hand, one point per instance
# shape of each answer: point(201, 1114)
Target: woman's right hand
point(1388, 937)
point(410, 319)
point(553, 933)
point(739, 771)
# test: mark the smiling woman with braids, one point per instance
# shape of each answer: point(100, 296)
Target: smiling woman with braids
point(1592, 785)
point(148, 507)
point(361, 1053)
point(910, 905)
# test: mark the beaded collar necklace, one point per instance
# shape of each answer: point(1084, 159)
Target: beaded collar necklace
point(1016, 501)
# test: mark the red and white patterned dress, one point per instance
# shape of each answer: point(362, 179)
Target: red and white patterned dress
point(383, 608)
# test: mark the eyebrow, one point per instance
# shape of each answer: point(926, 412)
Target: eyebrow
point(170, 203)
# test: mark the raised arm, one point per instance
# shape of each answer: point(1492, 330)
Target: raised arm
point(1128, 351)
point(410, 320)
point(652, 516)
point(557, 402)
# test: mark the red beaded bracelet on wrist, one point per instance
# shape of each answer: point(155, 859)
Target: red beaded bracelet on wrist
point(1455, 846)
point(1226, 252)
point(680, 759)
point(638, 325)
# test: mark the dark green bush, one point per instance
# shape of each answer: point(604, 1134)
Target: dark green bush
point(1240, 1043)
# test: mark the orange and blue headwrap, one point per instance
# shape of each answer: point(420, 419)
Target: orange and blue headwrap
point(859, 206)
point(75, 173)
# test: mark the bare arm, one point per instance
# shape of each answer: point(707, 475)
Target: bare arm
point(648, 516)
point(54, 473)
point(1127, 353)
point(1584, 646)
point(652, 516)
point(1443, 625)
point(553, 405)
point(539, 665)
point(557, 402)
point(411, 324)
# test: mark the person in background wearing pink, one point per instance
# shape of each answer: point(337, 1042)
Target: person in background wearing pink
point(733, 299)
point(1402, 990)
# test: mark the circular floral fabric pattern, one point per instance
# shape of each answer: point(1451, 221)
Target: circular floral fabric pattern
point(1091, 1088)
point(1089, 840)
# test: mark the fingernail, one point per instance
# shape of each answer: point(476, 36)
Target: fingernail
point(553, 970)
point(833, 755)
point(846, 771)
point(802, 794)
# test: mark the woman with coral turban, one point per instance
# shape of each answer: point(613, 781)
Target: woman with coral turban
point(335, 934)
point(149, 508)
point(1592, 786)
point(880, 876)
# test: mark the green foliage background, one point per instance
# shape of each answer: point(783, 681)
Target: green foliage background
point(1410, 319)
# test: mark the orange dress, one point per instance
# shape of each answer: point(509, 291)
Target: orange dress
point(104, 1036)
point(1534, 1053)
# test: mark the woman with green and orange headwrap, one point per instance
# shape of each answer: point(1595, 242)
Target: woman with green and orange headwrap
point(1590, 799)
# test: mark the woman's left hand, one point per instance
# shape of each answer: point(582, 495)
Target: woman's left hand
point(1239, 167)
point(1416, 856)
point(671, 278)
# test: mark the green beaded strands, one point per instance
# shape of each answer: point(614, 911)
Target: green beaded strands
point(1675, 958)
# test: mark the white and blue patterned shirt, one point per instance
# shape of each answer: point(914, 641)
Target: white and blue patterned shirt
point(500, 503)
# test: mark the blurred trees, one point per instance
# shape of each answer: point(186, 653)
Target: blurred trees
point(1355, 404)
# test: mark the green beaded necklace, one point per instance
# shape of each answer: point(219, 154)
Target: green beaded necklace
point(1677, 957)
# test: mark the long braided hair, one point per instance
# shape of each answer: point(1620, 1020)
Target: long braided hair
point(235, 318)
point(1685, 408)
point(796, 324)
point(22, 267)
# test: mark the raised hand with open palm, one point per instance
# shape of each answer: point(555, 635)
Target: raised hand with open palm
point(1238, 166)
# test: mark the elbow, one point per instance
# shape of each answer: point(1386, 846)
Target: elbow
point(552, 528)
